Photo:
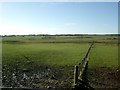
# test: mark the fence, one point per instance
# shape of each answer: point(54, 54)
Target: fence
point(80, 69)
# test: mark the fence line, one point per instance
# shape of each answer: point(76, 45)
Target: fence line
point(79, 70)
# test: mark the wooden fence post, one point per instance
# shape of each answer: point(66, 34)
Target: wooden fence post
point(75, 75)
point(82, 69)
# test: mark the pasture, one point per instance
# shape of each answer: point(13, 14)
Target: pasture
point(104, 56)
point(48, 61)
point(103, 69)
point(44, 53)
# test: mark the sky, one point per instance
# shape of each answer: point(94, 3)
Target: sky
point(22, 18)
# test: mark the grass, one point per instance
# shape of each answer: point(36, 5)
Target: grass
point(103, 66)
point(104, 56)
point(61, 39)
point(45, 60)
point(45, 53)
point(0, 54)
point(39, 50)
point(43, 57)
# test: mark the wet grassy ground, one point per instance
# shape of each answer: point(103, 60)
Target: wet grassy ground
point(38, 77)
point(41, 65)
point(103, 69)
point(104, 78)
point(48, 62)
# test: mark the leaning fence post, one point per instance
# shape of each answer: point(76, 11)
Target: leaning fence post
point(75, 75)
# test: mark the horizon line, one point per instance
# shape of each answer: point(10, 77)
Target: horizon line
point(63, 34)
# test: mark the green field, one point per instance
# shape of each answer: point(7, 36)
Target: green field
point(50, 60)
point(104, 56)
point(44, 53)
point(61, 39)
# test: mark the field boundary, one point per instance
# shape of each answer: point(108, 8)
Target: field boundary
point(80, 70)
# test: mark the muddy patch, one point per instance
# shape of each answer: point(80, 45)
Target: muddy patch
point(38, 77)
point(101, 78)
